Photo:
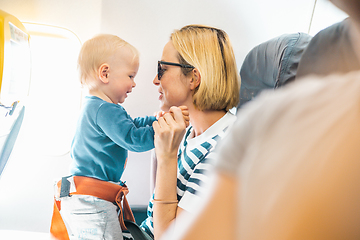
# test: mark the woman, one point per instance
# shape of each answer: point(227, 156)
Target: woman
point(289, 169)
point(198, 70)
point(294, 172)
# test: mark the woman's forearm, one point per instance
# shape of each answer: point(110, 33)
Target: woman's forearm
point(169, 131)
point(165, 203)
point(217, 216)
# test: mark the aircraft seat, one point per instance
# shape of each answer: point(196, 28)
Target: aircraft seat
point(330, 51)
point(271, 64)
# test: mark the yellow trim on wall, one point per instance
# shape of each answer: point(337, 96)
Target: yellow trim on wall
point(6, 33)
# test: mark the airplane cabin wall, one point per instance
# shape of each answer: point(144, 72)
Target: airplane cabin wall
point(146, 25)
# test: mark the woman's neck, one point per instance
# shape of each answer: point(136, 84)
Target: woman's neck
point(202, 120)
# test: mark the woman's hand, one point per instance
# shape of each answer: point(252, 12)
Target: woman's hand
point(169, 131)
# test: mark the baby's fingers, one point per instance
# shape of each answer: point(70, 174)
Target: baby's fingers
point(159, 114)
point(185, 112)
point(187, 120)
point(177, 114)
point(183, 108)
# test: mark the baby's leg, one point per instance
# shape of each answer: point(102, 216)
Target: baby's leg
point(88, 217)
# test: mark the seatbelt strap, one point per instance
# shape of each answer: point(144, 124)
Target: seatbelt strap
point(94, 187)
point(58, 229)
point(65, 187)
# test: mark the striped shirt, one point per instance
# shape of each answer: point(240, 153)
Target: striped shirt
point(194, 161)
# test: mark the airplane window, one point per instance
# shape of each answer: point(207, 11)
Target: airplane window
point(14, 81)
point(55, 93)
point(41, 152)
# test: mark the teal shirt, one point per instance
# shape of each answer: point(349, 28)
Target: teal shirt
point(104, 135)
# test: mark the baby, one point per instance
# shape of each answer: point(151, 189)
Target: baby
point(104, 135)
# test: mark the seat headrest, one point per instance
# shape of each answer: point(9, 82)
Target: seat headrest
point(271, 64)
point(330, 51)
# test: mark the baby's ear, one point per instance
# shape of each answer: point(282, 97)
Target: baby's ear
point(103, 72)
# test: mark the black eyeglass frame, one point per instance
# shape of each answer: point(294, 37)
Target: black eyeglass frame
point(161, 72)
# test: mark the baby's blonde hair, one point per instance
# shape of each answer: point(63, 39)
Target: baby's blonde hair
point(97, 51)
point(209, 50)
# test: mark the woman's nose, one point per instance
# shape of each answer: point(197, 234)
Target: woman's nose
point(156, 81)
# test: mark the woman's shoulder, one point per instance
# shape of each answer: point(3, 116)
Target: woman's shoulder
point(222, 124)
point(215, 131)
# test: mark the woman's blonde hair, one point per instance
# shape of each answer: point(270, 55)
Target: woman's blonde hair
point(97, 51)
point(209, 50)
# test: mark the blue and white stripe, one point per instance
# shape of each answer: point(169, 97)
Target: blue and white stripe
point(194, 161)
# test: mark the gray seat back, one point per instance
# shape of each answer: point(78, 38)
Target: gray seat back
point(271, 64)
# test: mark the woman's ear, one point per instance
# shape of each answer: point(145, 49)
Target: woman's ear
point(103, 72)
point(195, 80)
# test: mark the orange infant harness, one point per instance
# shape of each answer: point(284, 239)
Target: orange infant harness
point(89, 186)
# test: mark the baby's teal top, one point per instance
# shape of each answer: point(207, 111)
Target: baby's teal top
point(104, 134)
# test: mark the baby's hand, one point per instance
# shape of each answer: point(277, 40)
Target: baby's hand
point(185, 113)
point(159, 114)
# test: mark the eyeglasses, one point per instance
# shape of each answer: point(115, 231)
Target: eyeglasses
point(161, 71)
